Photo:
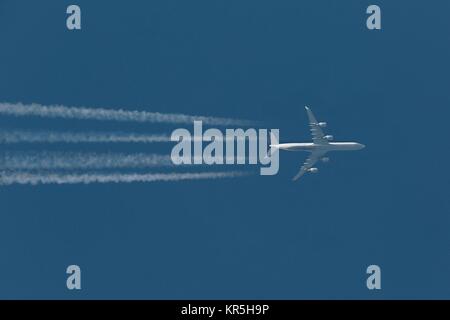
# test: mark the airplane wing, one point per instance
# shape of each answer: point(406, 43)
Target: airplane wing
point(309, 163)
point(316, 130)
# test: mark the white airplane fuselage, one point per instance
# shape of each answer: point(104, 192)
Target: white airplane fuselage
point(321, 144)
point(331, 146)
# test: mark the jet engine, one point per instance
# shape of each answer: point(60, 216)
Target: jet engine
point(329, 137)
point(313, 170)
point(325, 159)
point(322, 124)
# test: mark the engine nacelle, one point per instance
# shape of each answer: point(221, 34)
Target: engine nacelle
point(313, 170)
point(329, 137)
point(322, 124)
point(325, 159)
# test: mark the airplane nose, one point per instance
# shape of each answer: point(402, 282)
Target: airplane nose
point(362, 145)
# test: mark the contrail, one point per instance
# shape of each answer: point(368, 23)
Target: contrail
point(29, 160)
point(56, 178)
point(20, 136)
point(65, 112)
point(72, 160)
point(23, 136)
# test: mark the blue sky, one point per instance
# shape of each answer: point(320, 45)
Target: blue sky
point(253, 237)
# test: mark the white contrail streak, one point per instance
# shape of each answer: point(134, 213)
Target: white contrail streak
point(73, 160)
point(23, 136)
point(60, 111)
point(28, 160)
point(56, 178)
point(20, 136)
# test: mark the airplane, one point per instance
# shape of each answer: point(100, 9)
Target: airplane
point(320, 146)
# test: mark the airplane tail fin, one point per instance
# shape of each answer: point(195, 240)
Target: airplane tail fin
point(273, 146)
